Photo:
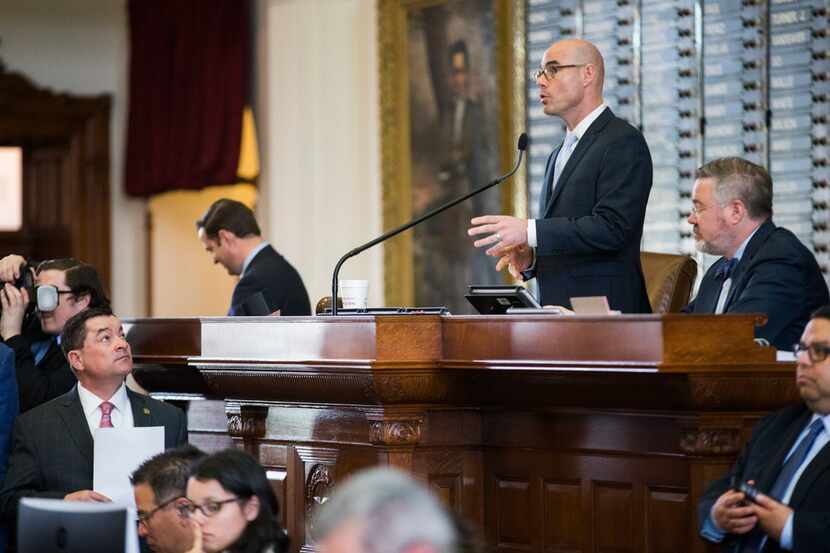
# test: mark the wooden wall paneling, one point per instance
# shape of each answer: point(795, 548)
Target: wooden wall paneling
point(563, 521)
point(66, 147)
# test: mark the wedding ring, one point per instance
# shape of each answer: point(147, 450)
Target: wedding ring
point(498, 237)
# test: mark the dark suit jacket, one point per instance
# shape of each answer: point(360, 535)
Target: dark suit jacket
point(777, 276)
point(38, 383)
point(761, 460)
point(588, 232)
point(279, 284)
point(52, 448)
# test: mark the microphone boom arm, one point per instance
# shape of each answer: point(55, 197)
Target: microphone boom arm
point(417, 220)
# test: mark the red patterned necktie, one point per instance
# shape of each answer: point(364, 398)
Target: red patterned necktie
point(106, 412)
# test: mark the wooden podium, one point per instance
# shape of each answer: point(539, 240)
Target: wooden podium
point(552, 433)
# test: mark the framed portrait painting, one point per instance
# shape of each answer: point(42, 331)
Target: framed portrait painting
point(452, 108)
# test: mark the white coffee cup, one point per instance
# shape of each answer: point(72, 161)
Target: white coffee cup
point(355, 294)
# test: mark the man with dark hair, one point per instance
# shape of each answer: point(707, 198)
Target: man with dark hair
point(764, 268)
point(52, 445)
point(788, 461)
point(42, 370)
point(159, 485)
point(268, 282)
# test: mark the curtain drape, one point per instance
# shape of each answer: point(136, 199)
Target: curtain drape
point(189, 71)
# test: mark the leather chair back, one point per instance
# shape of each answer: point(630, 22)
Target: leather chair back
point(669, 280)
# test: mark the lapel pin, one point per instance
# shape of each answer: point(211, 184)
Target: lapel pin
point(146, 411)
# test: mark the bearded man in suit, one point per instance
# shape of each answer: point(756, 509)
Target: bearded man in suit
point(764, 268)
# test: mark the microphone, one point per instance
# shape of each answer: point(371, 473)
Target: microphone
point(522, 146)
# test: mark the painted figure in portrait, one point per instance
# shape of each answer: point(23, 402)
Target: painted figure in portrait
point(454, 123)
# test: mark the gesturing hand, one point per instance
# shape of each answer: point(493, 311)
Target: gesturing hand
point(505, 231)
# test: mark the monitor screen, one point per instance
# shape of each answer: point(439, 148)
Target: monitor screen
point(57, 526)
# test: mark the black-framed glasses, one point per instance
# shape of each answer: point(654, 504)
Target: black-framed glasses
point(144, 518)
point(816, 352)
point(550, 70)
point(209, 509)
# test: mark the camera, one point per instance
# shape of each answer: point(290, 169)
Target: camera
point(25, 281)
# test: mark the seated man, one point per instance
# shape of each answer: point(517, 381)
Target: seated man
point(159, 485)
point(268, 283)
point(787, 460)
point(42, 370)
point(52, 445)
point(764, 268)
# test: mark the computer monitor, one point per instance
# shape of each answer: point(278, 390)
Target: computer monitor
point(57, 526)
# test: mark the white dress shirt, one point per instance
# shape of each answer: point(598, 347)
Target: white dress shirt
point(579, 131)
point(122, 412)
point(727, 284)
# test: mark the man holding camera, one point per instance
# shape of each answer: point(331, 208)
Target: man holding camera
point(62, 288)
point(775, 497)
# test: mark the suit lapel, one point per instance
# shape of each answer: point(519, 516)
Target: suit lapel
point(776, 459)
point(76, 424)
point(746, 260)
point(545, 196)
point(582, 147)
point(817, 466)
point(142, 414)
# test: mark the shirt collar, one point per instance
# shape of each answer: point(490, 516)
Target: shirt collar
point(90, 402)
point(261, 246)
point(739, 253)
point(583, 125)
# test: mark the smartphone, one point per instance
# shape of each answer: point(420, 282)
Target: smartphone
point(750, 491)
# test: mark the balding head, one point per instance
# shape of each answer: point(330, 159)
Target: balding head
point(583, 52)
point(576, 89)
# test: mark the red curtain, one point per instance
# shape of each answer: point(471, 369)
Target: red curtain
point(189, 70)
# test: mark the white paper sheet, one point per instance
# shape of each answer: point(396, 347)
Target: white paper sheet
point(118, 452)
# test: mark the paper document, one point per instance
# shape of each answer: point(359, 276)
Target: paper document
point(118, 452)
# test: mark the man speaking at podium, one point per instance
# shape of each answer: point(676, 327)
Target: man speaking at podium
point(587, 239)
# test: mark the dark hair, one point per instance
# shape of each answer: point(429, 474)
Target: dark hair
point(167, 472)
point(74, 331)
point(81, 278)
point(241, 474)
point(459, 47)
point(230, 215)
point(739, 179)
point(821, 313)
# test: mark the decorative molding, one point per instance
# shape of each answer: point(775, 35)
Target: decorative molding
point(711, 441)
point(246, 421)
point(395, 432)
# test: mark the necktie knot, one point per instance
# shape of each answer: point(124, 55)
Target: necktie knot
point(725, 269)
point(106, 414)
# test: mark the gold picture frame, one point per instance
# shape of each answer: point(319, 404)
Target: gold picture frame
point(396, 150)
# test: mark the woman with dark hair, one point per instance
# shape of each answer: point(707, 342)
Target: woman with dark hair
point(233, 507)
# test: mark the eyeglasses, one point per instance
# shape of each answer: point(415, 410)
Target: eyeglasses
point(816, 352)
point(144, 518)
point(550, 70)
point(209, 509)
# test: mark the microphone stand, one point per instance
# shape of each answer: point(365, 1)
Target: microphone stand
point(424, 217)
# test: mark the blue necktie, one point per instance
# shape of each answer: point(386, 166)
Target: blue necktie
point(758, 539)
point(725, 269)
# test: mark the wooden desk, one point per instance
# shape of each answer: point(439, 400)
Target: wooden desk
point(552, 433)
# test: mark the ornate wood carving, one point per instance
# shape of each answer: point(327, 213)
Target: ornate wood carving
point(711, 441)
point(246, 421)
point(395, 432)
